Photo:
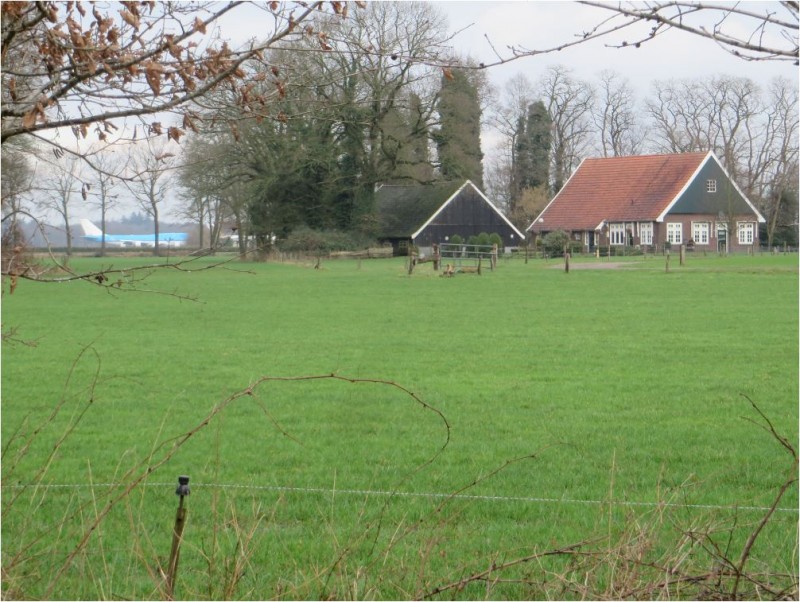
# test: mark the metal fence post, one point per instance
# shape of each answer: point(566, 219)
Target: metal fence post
point(177, 536)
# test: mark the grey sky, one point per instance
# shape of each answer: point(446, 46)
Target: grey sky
point(676, 54)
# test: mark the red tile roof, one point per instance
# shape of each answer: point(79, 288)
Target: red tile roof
point(618, 189)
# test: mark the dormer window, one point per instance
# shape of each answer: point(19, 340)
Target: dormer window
point(711, 185)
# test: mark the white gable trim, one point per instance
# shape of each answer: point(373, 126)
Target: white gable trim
point(543, 211)
point(707, 158)
point(450, 200)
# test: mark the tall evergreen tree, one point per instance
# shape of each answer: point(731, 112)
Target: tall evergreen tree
point(520, 162)
point(538, 134)
point(530, 160)
point(459, 136)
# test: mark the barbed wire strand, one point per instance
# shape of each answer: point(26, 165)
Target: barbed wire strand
point(431, 495)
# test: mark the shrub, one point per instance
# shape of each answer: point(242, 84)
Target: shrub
point(457, 239)
point(575, 247)
point(307, 240)
point(496, 239)
point(554, 242)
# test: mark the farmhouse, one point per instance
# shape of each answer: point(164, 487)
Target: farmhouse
point(431, 214)
point(652, 202)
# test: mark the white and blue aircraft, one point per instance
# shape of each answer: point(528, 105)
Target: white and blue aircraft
point(170, 239)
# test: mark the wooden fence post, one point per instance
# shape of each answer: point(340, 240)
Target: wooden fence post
point(436, 257)
point(566, 262)
point(683, 254)
point(667, 267)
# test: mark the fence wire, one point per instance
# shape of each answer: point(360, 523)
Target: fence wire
point(417, 494)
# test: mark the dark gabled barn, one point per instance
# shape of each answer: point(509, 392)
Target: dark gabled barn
point(426, 215)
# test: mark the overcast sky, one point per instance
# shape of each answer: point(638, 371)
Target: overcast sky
point(537, 24)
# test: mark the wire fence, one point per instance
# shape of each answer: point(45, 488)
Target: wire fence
point(430, 495)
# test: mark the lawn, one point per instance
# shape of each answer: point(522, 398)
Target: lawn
point(558, 407)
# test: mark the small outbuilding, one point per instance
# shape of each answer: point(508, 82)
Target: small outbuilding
point(424, 215)
point(652, 202)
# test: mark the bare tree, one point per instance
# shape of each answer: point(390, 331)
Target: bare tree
point(569, 102)
point(59, 192)
point(697, 115)
point(774, 158)
point(615, 116)
point(497, 178)
point(106, 180)
point(680, 116)
point(17, 183)
point(151, 166)
point(507, 118)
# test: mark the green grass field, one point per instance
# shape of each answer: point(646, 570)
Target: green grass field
point(559, 407)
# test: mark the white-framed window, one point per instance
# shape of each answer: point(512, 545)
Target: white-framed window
point(675, 233)
point(711, 185)
point(616, 233)
point(746, 232)
point(646, 233)
point(701, 232)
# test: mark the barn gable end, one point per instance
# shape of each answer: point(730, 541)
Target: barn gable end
point(426, 215)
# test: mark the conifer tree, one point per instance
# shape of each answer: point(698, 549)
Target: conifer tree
point(459, 136)
point(531, 156)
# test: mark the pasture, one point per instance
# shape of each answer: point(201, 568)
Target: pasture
point(453, 426)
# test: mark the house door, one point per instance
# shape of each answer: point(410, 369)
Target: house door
point(590, 242)
point(722, 238)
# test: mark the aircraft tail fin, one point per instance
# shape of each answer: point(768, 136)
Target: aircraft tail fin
point(89, 229)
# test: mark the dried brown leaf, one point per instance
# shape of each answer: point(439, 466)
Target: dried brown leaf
point(130, 18)
point(29, 120)
point(188, 123)
point(152, 73)
point(175, 134)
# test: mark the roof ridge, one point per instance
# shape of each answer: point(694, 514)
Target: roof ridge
point(651, 155)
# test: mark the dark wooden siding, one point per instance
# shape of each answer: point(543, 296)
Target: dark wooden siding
point(466, 215)
point(696, 199)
